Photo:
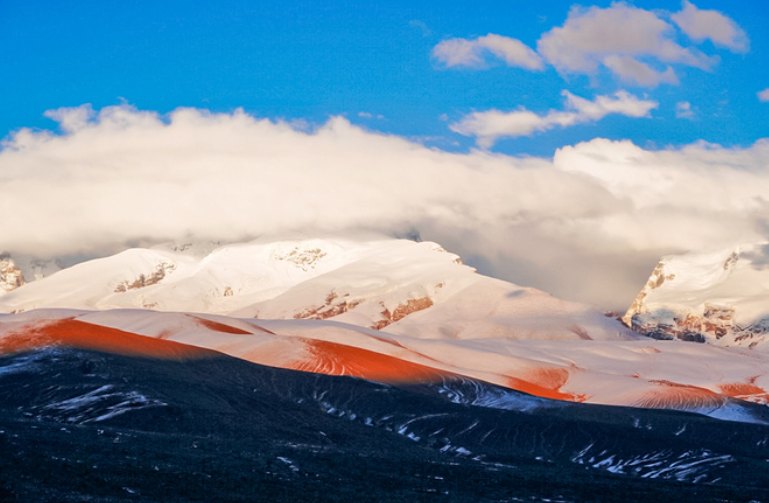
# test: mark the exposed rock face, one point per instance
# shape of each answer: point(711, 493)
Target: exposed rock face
point(331, 308)
point(303, 259)
point(146, 279)
point(656, 280)
point(335, 305)
point(713, 323)
point(401, 311)
point(11, 277)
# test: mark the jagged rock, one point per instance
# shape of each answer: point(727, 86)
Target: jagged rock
point(145, 280)
point(11, 277)
point(401, 311)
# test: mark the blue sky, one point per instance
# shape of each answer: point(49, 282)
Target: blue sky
point(553, 145)
point(312, 60)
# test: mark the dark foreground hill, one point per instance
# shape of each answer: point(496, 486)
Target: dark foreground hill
point(85, 426)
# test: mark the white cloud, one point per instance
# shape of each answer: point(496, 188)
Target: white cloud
point(638, 46)
point(710, 24)
point(684, 110)
point(491, 125)
point(463, 52)
point(764, 95)
point(616, 37)
point(589, 224)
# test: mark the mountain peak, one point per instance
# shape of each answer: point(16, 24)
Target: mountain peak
point(719, 297)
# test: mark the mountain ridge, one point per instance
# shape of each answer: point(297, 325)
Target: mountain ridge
point(400, 285)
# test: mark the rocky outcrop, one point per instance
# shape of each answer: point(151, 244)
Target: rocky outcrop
point(714, 322)
point(11, 277)
point(303, 259)
point(709, 301)
point(401, 311)
point(334, 306)
point(656, 280)
point(145, 280)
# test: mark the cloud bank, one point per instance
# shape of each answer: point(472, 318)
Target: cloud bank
point(588, 224)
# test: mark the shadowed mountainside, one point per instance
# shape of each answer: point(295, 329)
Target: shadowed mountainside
point(83, 425)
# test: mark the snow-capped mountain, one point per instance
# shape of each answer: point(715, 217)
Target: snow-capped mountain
point(721, 297)
point(398, 285)
point(385, 310)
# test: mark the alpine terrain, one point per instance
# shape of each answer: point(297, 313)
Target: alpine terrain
point(376, 369)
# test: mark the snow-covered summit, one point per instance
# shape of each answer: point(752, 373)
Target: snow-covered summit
point(388, 284)
point(720, 297)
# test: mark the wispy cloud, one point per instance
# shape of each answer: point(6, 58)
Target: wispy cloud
point(422, 26)
point(472, 53)
point(490, 125)
point(684, 110)
point(763, 95)
point(369, 115)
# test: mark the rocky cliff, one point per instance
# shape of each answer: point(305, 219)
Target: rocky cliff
point(11, 277)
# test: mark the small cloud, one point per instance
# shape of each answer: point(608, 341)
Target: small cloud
point(367, 115)
point(630, 42)
point(472, 53)
point(763, 95)
point(684, 110)
point(490, 125)
point(416, 23)
point(701, 25)
point(443, 117)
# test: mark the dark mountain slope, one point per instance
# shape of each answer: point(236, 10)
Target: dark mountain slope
point(79, 425)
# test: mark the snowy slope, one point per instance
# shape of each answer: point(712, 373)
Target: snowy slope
point(721, 297)
point(719, 382)
point(396, 285)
